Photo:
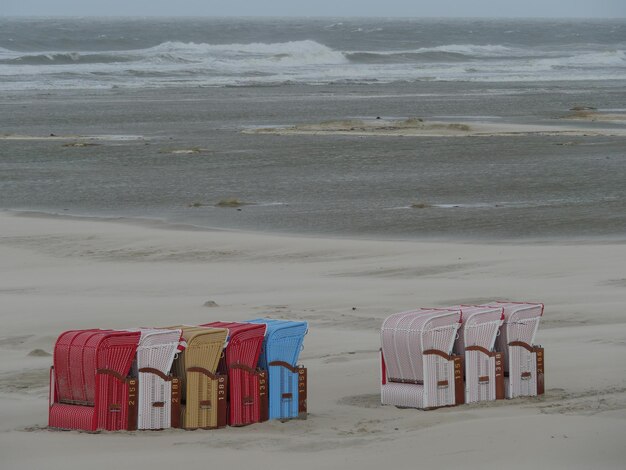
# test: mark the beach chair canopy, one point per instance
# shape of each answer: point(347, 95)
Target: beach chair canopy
point(407, 335)
point(480, 327)
point(157, 348)
point(283, 341)
point(521, 320)
point(244, 342)
point(204, 348)
point(79, 354)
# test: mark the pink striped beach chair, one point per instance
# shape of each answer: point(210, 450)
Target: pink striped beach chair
point(484, 372)
point(523, 361)
point(418, 368)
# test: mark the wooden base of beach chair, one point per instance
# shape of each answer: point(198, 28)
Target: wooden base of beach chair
point(285, 383)
point(484, 375)
point(207, 408)
point(248, 396)
point(521, 379)
point(443, 385)
point(175, 408)
point(540, 370)
point(302, 392)
point(264, 401)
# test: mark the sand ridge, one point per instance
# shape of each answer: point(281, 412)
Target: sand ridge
point(417, 127)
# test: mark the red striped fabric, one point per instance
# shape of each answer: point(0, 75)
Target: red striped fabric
point(72, 417)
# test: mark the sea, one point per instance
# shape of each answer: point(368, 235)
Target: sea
point(167, 100)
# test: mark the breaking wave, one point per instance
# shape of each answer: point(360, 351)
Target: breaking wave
point(174, 63)
point(288, 53)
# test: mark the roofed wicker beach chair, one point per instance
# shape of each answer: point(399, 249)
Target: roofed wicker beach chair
point(89, 384)
point(523, 361)
point(247, 385)
point(287, 381)
point(203, 390)
point(155, 355)
point(417, 365)
point(484, 371)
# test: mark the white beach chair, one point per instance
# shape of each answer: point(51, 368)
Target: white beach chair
point(418, 369)
point(155, 355)
point(484, 372)
point(523, 361)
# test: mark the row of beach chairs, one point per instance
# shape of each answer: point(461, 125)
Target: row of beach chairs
point(205, 376)
point(432, 358)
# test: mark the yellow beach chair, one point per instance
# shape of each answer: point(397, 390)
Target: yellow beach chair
point(203, 391)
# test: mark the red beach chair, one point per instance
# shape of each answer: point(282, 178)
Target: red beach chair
point(247, 385)
point(89, 384)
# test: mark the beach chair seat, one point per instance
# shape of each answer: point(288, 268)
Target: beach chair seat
point(523, 361)
point(279, 356)
point(247, 385)
point(155, 356)
point(90, 387)
point(418, 369)
point(484, 370)
point(203, 390)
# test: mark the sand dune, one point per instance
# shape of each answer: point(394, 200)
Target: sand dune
point(59, 273)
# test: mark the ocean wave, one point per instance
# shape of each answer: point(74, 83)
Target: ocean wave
point(62, 58)
point(292, 53)
point(404, 57)
point(306, 52)
point(615, 58)
point(173, 63)
point(443, 53)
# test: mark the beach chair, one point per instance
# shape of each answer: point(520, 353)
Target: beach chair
point(523, 361)
point(418, 369)
point(158, 400)
point(279, 356)
point(247, 385)
point(484, 370)
point(89, 384)
point(203, 390)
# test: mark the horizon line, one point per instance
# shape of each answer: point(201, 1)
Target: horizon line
point(398, 17)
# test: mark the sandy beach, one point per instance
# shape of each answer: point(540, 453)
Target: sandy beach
point(59, 273)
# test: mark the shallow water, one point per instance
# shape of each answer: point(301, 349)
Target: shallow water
point(193, 151)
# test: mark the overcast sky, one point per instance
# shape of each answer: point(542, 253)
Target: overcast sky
point(402, 8)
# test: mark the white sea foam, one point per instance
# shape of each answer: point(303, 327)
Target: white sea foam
point(174, 63)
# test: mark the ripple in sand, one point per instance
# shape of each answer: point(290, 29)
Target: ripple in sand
point(362, 401)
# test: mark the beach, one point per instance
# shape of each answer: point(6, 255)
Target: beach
point(59, 273)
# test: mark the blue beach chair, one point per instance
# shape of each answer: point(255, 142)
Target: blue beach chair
point(279, 355)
